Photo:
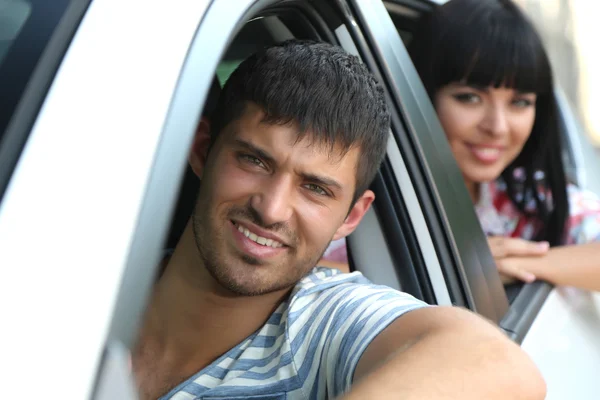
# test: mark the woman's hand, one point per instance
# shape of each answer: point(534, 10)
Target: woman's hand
point(512, 254)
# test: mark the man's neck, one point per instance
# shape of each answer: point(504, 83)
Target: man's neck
point(191, 319)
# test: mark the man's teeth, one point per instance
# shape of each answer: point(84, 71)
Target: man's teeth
point(259, 239)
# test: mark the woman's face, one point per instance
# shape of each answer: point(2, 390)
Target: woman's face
point(487, 127)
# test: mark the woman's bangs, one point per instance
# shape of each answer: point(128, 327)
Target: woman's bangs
point(497, 56)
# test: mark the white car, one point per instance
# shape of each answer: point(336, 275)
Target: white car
point(99, 101)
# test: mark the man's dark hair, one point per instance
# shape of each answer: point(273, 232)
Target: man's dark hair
point(322, 89)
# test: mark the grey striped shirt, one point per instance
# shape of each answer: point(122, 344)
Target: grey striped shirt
point(309, 347)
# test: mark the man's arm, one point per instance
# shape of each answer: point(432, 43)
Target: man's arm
point(444, 353)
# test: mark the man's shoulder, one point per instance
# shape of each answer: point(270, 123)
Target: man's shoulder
point(327, 288)
point(321, 278)
point(322, 281)
point(331, 317)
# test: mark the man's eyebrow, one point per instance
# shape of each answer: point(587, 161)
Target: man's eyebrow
point(254, 149)
point(321, 180)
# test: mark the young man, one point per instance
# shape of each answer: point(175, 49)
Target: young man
point(240, 310)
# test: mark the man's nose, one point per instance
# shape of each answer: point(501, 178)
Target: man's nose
point(496, 120)
point(273, 200)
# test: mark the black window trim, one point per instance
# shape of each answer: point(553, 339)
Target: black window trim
point(524, 309)
point(417, 5)
point(400, 236)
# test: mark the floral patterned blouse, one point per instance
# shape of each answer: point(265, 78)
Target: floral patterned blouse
point(499, 217)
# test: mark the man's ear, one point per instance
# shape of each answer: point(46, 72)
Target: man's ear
point(200, 145)
point(355, 215)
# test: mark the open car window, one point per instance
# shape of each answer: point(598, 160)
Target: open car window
point(210, 62)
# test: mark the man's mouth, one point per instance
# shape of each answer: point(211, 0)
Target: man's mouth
point(267, 242)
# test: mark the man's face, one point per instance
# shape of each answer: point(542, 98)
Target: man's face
point(269, 204)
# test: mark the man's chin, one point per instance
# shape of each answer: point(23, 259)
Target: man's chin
point(246, 279)
point(244, 289)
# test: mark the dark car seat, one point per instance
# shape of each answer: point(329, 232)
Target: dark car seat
point(191, 183)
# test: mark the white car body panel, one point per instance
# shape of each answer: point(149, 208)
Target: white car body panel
point(69, 213)
point(564, 342)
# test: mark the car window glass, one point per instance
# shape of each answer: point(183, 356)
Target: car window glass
point(26, 27)
point(13, 15)
point(253, 36)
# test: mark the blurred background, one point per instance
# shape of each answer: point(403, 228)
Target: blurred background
point(571, 32)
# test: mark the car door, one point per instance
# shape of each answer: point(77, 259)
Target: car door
point(557, 327)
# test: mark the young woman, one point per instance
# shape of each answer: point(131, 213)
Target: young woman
point(489, 78)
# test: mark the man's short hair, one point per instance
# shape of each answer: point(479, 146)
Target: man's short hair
point(322, 89)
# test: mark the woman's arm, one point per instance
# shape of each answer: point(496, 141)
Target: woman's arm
point(577, 265)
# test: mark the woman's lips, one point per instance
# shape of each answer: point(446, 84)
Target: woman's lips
point(486, 154)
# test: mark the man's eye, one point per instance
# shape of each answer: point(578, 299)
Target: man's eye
point(247, 158)
point(467, 98)
point(316, 189)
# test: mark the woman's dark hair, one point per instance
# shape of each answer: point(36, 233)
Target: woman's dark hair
point(492, 43)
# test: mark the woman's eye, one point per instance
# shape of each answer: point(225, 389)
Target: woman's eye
point(467, 98)
point(247, 158)
point(523, 103)
point(316, 189)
